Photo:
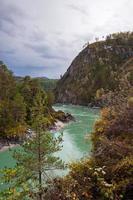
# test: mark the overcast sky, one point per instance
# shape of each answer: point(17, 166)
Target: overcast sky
point(41, 37)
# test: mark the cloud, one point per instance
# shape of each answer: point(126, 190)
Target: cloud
point(8, 15)
point(42, 37)
point(7, 52)
point(79, 9)
point(45, 51)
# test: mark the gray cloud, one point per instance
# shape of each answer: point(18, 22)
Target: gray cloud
point(45, 51)
point(7, 52)
point(79, 9)
point(8, 15)
point(42, 37)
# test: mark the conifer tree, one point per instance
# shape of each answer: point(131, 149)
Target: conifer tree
point(12, 106)
point(35, 159)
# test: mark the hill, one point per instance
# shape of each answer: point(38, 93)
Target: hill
point(46, 83)
point(99, 65)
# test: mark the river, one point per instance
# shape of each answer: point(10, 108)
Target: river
point(75, 146)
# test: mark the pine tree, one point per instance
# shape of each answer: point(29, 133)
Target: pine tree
point(34, 160)
point(12, 106)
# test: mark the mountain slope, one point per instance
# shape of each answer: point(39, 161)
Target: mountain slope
point(46, 83)
point(99, 65)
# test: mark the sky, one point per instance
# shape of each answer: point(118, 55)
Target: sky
point(42, 37)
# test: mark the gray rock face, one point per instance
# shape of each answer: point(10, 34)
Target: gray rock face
point(99, 65)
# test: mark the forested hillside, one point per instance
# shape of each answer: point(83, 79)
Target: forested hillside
point(18, 103)
point(26, 115)
point(99, 67)
point(46, 83)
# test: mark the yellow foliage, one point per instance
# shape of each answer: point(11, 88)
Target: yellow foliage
point(107, 113)
point(100, 125)
point(99, 93)
point(130, 102)
point(18, 130)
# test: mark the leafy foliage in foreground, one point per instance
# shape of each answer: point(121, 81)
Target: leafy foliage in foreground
point(34, 163)
point(108, 174)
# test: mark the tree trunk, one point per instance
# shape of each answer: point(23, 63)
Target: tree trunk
point(40, 171)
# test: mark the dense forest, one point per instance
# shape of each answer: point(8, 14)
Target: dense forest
point(18, 102)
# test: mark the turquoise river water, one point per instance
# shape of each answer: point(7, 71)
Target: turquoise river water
point(75, 146)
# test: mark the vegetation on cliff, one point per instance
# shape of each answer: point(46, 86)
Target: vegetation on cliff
point(99, 66)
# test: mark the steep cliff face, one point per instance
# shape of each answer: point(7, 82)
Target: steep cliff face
point(99, 65)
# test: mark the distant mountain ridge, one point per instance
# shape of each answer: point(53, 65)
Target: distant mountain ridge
point(46, 83)
point(98, 66)
point(38, 77)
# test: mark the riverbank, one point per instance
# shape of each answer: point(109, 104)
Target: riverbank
point(75, 146)
point(58, 126)
point(4, 145)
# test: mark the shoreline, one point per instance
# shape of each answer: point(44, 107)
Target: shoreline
point(58, 126)
point(4, 146)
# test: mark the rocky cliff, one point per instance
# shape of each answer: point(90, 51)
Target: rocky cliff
point(99, 65)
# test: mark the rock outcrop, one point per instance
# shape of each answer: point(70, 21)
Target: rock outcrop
point(99, 66)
